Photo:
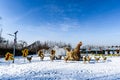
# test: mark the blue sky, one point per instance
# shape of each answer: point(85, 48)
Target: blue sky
point(94, 22)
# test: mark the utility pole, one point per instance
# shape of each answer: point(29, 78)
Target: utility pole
point(15, 41)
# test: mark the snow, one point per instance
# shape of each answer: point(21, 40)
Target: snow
point(59, 69)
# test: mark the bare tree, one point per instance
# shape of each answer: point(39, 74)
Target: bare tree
point(23, 44)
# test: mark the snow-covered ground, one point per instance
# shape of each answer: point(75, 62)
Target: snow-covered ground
point(59, 69)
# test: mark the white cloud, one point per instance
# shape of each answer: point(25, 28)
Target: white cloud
point(58, 31)
point(65, 27)
point(70, 26)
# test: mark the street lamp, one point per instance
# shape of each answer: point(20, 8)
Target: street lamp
point(15, 41)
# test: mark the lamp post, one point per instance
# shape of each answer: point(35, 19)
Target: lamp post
point(15, 41)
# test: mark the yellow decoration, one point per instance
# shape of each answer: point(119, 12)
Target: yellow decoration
point(9, 56)
point(25, 52)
